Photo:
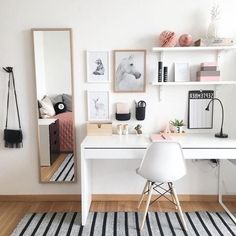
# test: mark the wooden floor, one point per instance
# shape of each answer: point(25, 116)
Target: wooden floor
point(46, 172)
point(12, 212)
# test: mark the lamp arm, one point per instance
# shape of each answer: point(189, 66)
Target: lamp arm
point(222, 109)
point(222, 123)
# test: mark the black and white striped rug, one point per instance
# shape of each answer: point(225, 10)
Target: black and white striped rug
point(125, 224)
point(65, 172)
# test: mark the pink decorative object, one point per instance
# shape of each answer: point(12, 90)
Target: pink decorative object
point(185, 40)
point(168, 39)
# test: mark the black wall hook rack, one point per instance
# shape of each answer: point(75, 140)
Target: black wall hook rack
point(8, 69)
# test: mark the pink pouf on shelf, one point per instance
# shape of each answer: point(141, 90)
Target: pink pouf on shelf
point(168, 39)
point(185, 40)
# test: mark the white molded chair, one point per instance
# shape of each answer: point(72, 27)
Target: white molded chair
point(162, 163)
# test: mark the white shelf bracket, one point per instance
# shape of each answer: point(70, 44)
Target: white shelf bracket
point(161, 56)
point(217, 88)
point(160, 93)
point(219, 54)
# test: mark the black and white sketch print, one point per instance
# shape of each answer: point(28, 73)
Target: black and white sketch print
point(98, 105)
point(97, 66)
point(100, 70)
point(129, 70)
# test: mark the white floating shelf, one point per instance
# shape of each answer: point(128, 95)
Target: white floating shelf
point(184, 49)
point(194, 83)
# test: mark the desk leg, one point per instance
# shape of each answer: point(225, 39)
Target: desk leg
point(220, 193)
point(85, 187)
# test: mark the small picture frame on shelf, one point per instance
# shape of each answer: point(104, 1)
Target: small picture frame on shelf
point(97, 66)
point(129, 71)
point(98, 105)
point(182, 72)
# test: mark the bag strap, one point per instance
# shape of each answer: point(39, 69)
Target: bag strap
point(10, 71)
point(17, 108)
point(9, 79)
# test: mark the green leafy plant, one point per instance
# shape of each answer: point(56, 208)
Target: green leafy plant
point(177, 123)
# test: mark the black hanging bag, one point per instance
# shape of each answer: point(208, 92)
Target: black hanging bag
point(12, 137)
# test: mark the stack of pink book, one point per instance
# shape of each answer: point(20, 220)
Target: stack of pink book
point(208, 72)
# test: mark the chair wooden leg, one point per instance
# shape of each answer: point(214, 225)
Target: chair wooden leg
point(144, 190)
point(179, 207)
point(147, 205)
point(172, 195)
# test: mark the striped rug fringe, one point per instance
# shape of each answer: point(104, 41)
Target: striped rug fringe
point(65, 171)
point(126, 224)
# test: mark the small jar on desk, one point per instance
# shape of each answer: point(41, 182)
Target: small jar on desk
point(126, 129)
point(119, 129)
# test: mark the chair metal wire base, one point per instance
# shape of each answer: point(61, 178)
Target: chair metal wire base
point(162, 194)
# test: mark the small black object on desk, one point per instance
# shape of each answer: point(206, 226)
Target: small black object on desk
point(220, 134)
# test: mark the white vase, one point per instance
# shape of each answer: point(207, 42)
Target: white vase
point(178, 129)
point(213, 30)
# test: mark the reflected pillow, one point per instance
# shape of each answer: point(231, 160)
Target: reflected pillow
point(67, 99)
point(60, 107)
point(56, 98)
point(46, 109)
point(39, 106)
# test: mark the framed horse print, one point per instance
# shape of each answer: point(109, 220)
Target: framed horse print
point(129, 71)
point(97, 66)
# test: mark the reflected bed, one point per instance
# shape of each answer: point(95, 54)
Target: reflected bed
point(65, 131)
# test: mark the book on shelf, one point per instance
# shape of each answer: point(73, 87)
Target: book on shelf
point(208, 73)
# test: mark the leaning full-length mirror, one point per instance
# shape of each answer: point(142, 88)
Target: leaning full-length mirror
point(227, 187)
point(53, 72)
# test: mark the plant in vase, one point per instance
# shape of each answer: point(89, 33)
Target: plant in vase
point(177, 125)
point(213, 28)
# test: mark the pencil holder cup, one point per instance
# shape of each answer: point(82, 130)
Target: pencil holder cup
point(125, 129)
point(119, 129)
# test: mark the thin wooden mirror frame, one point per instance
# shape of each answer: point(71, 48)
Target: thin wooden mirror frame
point(73, 105)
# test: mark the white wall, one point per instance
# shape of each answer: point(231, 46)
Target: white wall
point(57, 62)
point(52, 62)
point(99, 25)
point(39, 64)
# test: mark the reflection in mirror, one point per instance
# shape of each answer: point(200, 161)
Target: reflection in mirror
point(228, 187)
point(53, 71)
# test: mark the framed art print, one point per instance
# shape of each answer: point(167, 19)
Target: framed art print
point(98, 105)
point(182, 72)
point(97, 66)
point(129, 70)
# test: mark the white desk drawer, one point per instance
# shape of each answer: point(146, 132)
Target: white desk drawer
point(209, 153)
point(114, 153)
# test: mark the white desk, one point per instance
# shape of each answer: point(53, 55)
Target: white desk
point(195, 146)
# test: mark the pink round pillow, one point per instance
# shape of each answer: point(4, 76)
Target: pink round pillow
point(168, 39)
point(185, 40)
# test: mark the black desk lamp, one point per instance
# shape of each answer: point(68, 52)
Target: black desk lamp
point(221, 134)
